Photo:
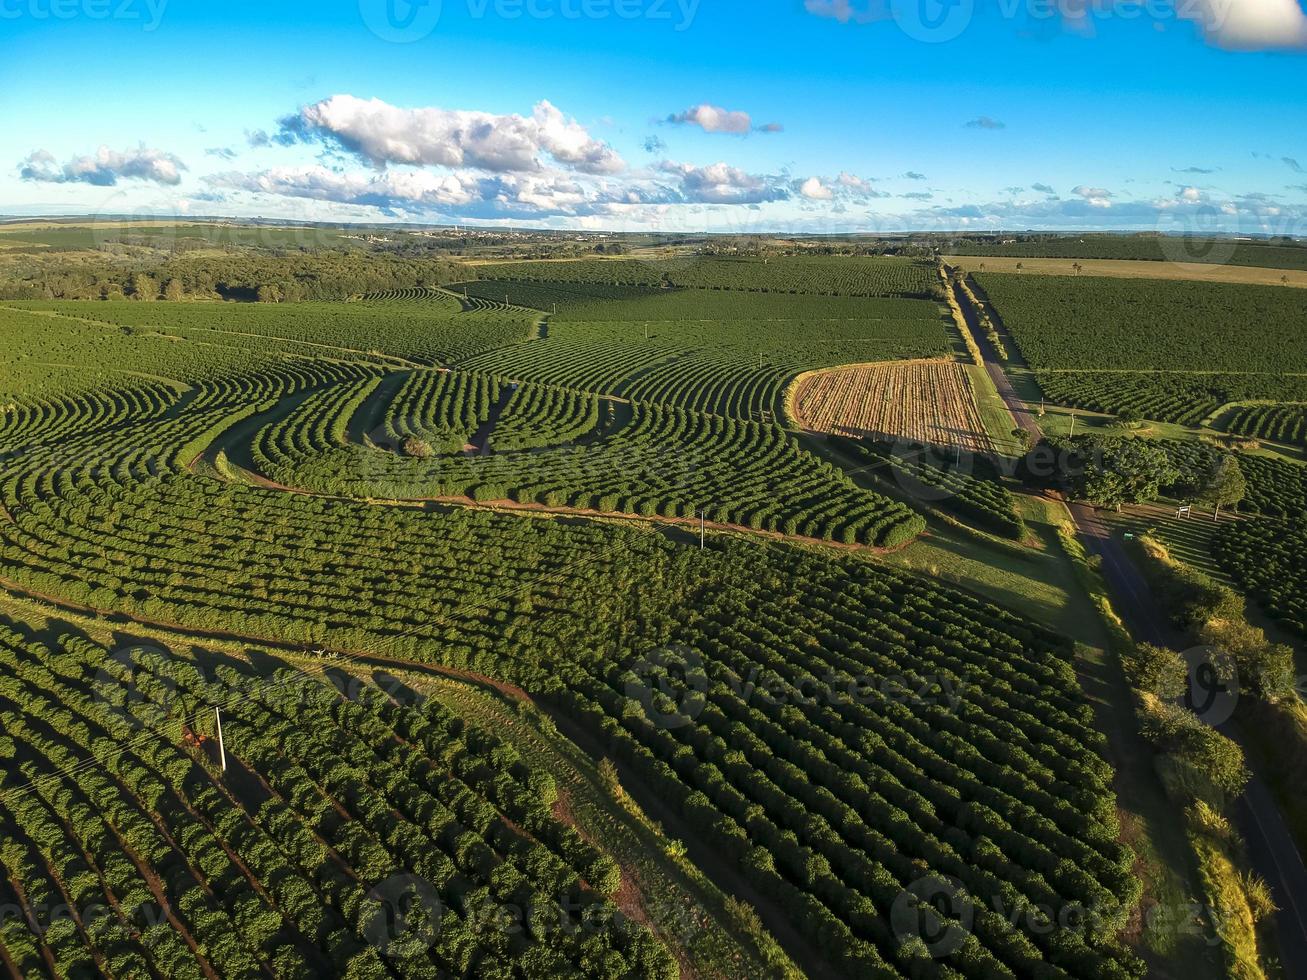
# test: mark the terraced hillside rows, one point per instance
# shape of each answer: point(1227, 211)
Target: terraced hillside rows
point(725, 353)
point(663, 461)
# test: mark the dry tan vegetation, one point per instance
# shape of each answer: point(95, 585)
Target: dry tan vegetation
point(921, 401)
point(1133, 269)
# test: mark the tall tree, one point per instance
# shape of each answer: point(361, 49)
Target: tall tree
point(1224, 486)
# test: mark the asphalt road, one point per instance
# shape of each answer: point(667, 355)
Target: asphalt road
point(1271, 848)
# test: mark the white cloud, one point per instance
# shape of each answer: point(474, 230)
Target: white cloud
point(1098, 197)
point(105, 167)
point(715, 119)
point(384, 134)
point(814, 190)
point(461, 194)
point(416, 188)
point(845, 187)
point(1249, 25)
point(721, 183)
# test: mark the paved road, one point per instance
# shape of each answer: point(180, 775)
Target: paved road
point(1271, 848)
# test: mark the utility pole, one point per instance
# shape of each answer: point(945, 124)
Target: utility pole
point(1073, 423)
point(222, 749)
point(702, 513)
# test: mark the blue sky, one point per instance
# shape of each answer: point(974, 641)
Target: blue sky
point(799, 115)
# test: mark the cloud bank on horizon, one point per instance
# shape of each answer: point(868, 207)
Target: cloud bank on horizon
point(104, 167)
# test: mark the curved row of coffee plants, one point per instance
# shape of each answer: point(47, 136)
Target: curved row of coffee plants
point(438, 410)
point(536, 416)
point(1275, 423)
point(728, 367)
point(373, 833)
point(408, 293)
point(1186, 399)
point(964, 484)
point(47, 414)
point(665, 461)
point(1268, 559)
point(1089, 323)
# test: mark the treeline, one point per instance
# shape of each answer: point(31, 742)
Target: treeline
point(272, 278)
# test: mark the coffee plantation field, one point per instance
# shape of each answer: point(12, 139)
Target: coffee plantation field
point(839, 276)
point(583, 495)
point(1170, 351)
point(1071, 323)
point(1266, 559)
point(1276, 423)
